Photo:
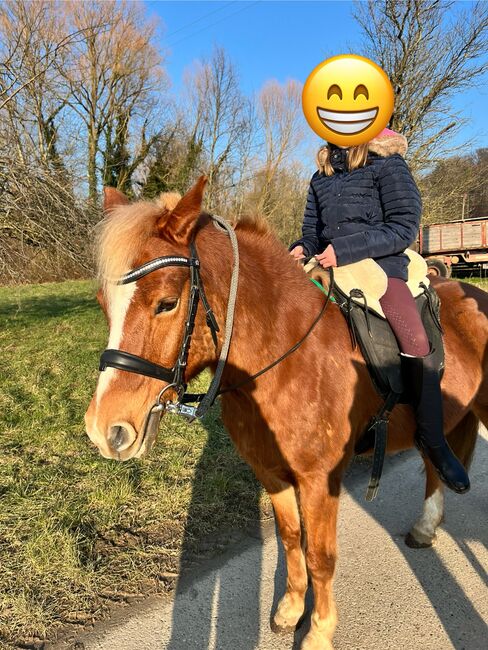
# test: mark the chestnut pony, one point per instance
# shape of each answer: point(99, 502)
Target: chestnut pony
point(296, 425)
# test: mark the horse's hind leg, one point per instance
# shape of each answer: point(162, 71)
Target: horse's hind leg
point(423, 531)
point(462, 440)
point(292, 605)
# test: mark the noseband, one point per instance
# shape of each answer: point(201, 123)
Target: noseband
point(175, 376)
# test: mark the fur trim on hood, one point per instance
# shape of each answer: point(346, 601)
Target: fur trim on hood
point(385, 144)
point(388, 142)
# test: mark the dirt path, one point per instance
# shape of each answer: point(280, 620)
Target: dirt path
point(388, 596)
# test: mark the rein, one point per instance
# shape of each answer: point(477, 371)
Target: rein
point(175, 376)
point(292, 349)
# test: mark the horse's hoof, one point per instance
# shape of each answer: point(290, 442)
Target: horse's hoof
point(315, 642)
point(282, 626)
point(289, 615)
point(282, 629)
point(412, 542)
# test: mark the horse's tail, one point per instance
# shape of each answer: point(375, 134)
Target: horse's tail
point(462, 438)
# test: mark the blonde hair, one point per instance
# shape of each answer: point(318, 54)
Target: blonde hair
point(356, 157)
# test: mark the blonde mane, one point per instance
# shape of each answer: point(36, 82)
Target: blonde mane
point(123, 233)
point(125, 230)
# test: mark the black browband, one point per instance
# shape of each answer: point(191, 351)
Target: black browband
point(157, 263)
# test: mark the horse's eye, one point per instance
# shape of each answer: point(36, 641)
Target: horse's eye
point(166, 304)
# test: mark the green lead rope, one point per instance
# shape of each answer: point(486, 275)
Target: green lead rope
point(322, 289)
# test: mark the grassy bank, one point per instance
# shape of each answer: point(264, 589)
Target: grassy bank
point(77, 531)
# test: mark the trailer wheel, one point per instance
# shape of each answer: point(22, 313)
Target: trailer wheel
point(437, 267)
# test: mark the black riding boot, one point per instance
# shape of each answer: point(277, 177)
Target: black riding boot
point(423, 382)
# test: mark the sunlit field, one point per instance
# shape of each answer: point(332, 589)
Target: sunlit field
point(78, 532)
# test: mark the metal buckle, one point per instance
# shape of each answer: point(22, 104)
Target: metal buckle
point(177, 408)
point(177, 387)
point(186, 411)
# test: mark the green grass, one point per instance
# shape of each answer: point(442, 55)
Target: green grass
point(77, 531)
point(482, 283)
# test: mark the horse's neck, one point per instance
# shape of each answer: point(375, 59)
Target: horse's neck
point(275, 299)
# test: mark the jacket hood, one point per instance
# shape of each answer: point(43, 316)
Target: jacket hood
point(387, 143)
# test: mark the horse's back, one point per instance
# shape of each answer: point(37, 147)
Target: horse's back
point(464, 311)
point(464, 317)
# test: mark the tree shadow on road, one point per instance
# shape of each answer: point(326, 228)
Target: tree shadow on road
point(465, 522)
point(198, 624)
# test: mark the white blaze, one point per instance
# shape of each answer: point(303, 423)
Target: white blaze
point(118, 299)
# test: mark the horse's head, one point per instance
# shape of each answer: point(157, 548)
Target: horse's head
point(146, 318)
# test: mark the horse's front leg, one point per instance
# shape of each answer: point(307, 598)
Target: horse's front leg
point(319, 503)
point(292, 605)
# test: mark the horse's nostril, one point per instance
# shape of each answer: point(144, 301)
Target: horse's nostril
point(118, 437)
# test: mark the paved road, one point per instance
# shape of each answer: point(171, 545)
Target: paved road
point(388, 596)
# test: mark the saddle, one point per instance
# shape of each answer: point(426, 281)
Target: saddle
point(357, 289)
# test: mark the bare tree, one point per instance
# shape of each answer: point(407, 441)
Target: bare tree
point(456, 188)
point(88, 65)
point(44, 227)
point(111, 77)
point(219, 119)
point(282, 129)
point(32, 43)
point(430, 53)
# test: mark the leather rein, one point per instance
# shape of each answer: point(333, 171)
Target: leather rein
point(192, 405)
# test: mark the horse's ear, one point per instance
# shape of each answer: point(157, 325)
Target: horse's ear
point(112, 198)
point(182, 219)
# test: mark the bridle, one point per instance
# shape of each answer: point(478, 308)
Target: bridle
point(175, 376)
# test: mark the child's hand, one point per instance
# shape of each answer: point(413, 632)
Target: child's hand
point(327, 258)
point(297, 253)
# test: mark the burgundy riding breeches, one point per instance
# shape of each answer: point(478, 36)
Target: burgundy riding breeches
point(399, 307)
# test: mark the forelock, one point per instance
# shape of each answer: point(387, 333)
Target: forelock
point(123, 233)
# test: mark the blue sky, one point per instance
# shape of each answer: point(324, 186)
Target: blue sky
point(280, 40)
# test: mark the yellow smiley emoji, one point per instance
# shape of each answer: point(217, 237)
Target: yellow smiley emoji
point(347, 100)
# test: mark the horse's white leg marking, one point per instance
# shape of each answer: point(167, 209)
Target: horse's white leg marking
point(321, 632)
point(424, 529)
point(119, 299)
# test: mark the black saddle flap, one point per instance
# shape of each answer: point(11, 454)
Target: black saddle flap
point(379, 345)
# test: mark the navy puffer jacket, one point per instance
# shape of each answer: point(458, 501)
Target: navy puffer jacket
point(373, 211)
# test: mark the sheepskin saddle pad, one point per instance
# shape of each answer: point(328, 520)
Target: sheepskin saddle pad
point(357, 290)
